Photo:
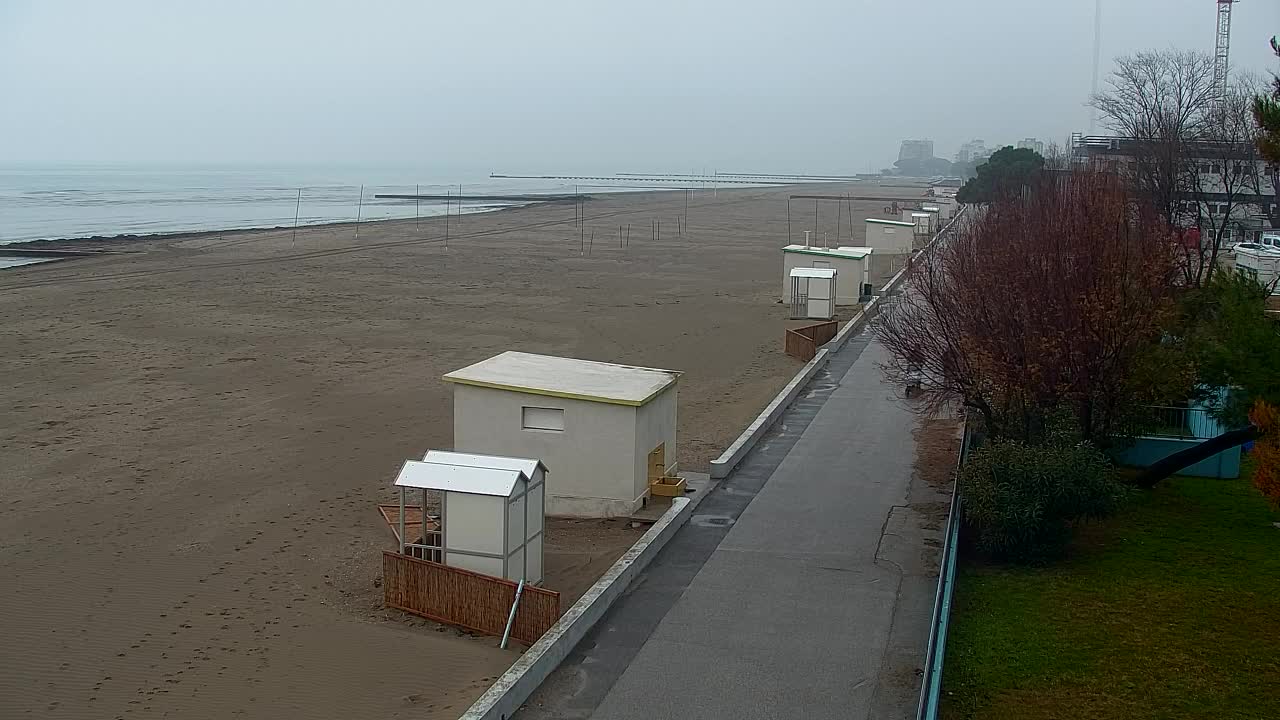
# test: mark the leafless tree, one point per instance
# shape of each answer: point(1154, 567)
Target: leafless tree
point(1189, 150)
point(1161, 100)
point(1049, 300)
point(1227, 176)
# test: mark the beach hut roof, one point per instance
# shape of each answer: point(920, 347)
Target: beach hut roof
point(567, 378)
point(495, 462)
point(458, 478)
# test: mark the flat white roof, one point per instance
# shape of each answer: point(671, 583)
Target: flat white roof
point(931, 208)
point(890, 222)
point(853, 253)
point(567, 378)
point(496, 462)
point(458, 478)
point(919, 214)
point(813, 272)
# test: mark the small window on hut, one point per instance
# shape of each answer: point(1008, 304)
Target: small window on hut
point(536, 418)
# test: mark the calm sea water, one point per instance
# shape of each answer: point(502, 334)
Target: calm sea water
point(39, 203)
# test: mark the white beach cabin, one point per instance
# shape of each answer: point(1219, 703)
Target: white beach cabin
point(852, 265)
point(491, 512)
point(922, 220)
point(890, 237)
point(608, 430)
point(813, 293)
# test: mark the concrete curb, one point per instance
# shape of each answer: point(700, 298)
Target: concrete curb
point(509, 691)
point(729, 459)
point(836, 344)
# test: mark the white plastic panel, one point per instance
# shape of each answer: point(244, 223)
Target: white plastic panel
point(474, 522)
point(515, 565)
point(515, 523)
point(537, 508)
point(534, 550)
point(484, 565)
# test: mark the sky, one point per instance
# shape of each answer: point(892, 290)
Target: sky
point(561, 86)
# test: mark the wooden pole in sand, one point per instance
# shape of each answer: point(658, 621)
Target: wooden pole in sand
point(359, 211)
point(850, 206)
point(415, 208)
point(296, 210)
point(838, 219)
point(446, 218)
point(815, 218)
point(591, 244)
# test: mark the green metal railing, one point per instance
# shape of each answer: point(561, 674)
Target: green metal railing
point(931, 684)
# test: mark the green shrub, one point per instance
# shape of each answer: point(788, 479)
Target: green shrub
point(1024, 499)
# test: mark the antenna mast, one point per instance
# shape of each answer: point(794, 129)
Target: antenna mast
point(1222, 50)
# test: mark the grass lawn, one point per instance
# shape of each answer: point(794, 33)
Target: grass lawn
point(1171, 609)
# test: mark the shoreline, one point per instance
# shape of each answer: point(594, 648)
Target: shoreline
point(134, 238)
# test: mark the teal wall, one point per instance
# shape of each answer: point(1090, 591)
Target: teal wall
point(1147, 450)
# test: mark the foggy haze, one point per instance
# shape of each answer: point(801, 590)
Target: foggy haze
point(567, 86)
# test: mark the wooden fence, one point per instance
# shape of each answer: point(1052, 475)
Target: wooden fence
point(470, 600)
point(803, 342)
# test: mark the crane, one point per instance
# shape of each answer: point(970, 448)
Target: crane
point(1222, 50)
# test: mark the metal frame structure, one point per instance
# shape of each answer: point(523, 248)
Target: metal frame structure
point(1222, 49)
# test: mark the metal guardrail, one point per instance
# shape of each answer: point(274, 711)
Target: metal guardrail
point(931, 684)
point(1182, 422)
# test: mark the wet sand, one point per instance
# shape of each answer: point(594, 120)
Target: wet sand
point(198, 432)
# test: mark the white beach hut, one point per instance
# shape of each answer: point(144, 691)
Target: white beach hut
point(852, 266)
point(890, 237)
point(813, 293)
point(491, 512)
point(609, 431)
point(922, 220)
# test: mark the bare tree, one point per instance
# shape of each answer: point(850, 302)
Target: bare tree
point(1052, 299)
point(1160, 100)
point(1227, 178)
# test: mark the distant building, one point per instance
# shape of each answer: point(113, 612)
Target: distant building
point(1207, 206)
point(915, 151)
point(972, 150)
point(1031, 144)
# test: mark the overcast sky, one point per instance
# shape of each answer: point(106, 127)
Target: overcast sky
point(558, 86)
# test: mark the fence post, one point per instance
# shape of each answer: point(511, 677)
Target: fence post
point(511, 619)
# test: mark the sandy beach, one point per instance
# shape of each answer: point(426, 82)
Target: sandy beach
point(199, 429)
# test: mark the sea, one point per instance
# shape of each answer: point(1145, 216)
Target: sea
point(68, 202)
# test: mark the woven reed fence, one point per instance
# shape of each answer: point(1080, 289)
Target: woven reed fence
point(803, 342)
point(470, 600)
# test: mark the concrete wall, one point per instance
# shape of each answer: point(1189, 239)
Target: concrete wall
point(889, 239)
point(851, 273)
point(590, 464)
point(1147, 450)
point(655, 423)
